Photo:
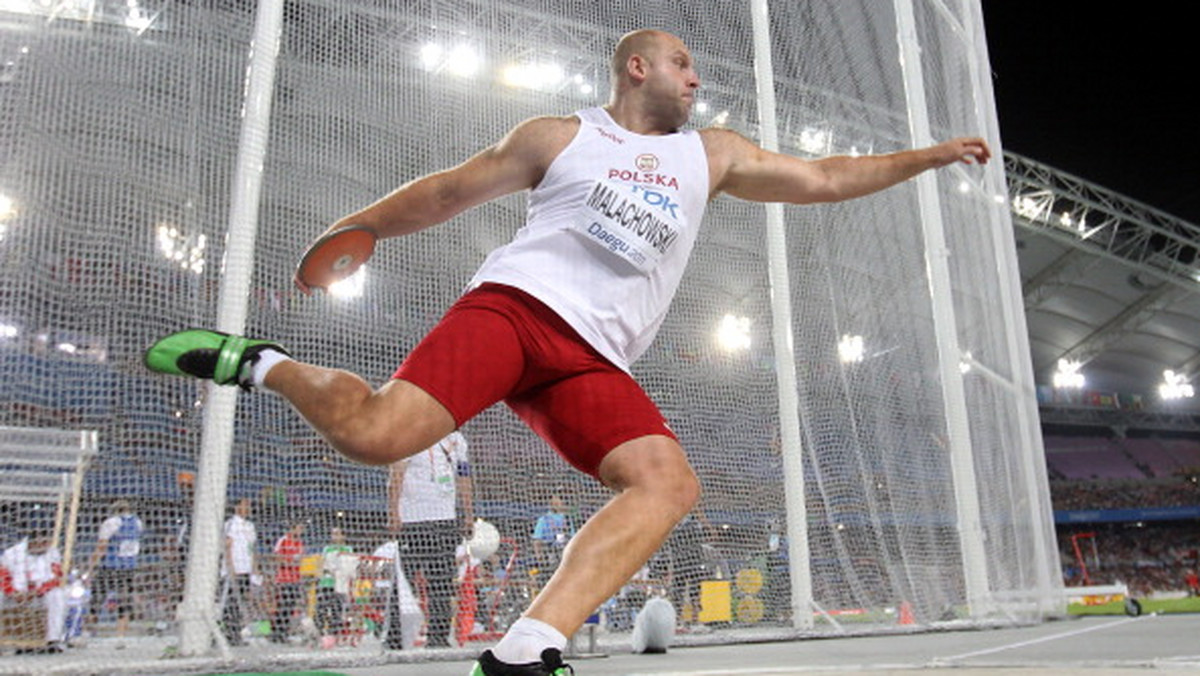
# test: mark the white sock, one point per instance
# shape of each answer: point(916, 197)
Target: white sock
point(525, 641)
point(267, 359)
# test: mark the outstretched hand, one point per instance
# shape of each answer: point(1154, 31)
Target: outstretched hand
point(968, 150)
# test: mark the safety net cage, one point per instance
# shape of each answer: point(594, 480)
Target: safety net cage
point(850, 381)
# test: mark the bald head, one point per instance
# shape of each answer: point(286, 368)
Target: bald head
point(646, 43)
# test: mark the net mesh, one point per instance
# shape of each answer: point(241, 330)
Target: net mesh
point(120, 128)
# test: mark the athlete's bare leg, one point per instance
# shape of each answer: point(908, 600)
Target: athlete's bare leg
point(656, 487)
point(374, 427)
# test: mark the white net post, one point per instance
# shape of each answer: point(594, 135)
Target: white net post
point(958, 434)
point(196, 618)
point(1044, 588)
point(782, 338)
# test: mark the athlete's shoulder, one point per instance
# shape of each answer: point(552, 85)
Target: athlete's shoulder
point(538, 140)
point(721, 142)
point(725, 149)
point(549, 127)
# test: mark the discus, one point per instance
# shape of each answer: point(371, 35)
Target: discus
point(334, 257)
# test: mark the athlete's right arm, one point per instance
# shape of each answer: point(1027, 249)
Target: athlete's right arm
point(517, 162)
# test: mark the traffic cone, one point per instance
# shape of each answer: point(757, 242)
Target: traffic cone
point(468, 603)
point(906, 613)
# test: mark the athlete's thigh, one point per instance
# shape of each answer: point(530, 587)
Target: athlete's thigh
point(587, 415)
point(469, 361)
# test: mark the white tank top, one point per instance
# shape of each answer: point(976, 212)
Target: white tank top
point(608, 233)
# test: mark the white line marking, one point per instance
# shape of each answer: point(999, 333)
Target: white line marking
point(787, 671)
point(1044, 639)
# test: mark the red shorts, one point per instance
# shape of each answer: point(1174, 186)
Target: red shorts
point(499, 343)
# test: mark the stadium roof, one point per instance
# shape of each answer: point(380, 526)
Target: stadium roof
point(1108, 282)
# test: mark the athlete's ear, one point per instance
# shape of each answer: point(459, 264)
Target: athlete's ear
point(636, 67)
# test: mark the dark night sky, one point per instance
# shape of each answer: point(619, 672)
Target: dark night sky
point(1104, 94)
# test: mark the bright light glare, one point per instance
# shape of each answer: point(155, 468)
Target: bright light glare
point(138, 20)
point(816, 141)
point(350, 287)
point(1175, 386)
point(534, 75)
point(463, 61)
point(733, 334)
point(431, 56)
point(131, 16)
point(585, 87)
point(185, 251)
point(1068, 375)
point(851, 349)
point(19, 6)
point(8, 209)
point(1034, 207)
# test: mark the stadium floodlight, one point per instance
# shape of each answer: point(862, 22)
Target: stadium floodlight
point(7, 210)
point(23, 6)
point(138, 19)
point(584, 86)
point(1175, 386)
point(733, 334)
point(851, 349)
point(431, 55)
point(8, 207)
point(816, 141)
point(183, 250)
point(463, 60)
point(126, 13)
point(538, 76)
point(1068, 375)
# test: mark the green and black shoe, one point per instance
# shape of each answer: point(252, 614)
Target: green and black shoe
point(220, 357)
point(551, 664)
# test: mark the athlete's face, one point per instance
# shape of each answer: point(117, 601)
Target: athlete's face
point(671, 80)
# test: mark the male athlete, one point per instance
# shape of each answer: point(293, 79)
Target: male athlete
point(551, 322)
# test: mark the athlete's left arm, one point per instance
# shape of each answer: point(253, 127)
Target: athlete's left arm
point(517, 162)
point(744, 170)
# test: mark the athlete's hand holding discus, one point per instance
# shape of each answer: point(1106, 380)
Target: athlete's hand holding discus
point(336, 255)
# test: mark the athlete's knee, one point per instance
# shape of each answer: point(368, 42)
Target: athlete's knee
point(685, 490)
point(676, 489)
point(658, 466)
